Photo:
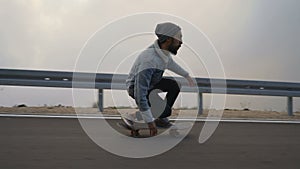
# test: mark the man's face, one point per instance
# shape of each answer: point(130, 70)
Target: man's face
point(176, 43)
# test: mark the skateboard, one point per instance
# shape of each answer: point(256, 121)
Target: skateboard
point(135, 127)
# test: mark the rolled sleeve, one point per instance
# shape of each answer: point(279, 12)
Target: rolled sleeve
point(147, 116)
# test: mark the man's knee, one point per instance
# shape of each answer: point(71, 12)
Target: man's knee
point(174, 85)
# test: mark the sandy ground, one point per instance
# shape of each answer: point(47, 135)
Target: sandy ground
point(231, 114)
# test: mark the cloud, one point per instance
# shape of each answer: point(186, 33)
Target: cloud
point(40, 34)
point(49, 34)
point(255, 39)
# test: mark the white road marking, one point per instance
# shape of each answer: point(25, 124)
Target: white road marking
point(116, 117)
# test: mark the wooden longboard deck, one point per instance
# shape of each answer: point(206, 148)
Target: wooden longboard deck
point(134, 127)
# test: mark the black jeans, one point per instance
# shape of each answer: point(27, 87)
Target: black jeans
point(161, 108)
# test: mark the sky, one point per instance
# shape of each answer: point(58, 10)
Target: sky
point(255, 39)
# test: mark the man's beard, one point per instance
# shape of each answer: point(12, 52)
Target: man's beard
point(173, 49)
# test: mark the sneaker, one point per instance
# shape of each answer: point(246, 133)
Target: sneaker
point(163, 123)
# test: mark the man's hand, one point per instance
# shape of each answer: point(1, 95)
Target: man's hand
point(152, 128)
point(191, 81)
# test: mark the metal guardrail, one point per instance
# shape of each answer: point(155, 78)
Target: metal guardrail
point(101, 81)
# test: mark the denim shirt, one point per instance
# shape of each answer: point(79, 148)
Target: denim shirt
point(147, 71)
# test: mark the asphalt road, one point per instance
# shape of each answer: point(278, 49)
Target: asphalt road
point(43, 143)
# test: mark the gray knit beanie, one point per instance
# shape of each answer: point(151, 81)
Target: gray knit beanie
point(165, 30)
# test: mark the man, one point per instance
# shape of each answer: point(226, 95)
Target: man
point(146, 77)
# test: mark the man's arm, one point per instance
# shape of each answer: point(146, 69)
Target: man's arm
point(142, 84)
point(173, 66)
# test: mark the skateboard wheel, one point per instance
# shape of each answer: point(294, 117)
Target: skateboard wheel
point(135, 133)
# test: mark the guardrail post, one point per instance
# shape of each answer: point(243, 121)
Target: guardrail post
point(100, 100)
point(200, 103)
point(290, 106)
